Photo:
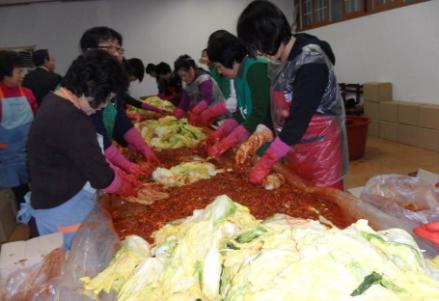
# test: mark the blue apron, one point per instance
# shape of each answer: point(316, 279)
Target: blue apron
point(17, 117)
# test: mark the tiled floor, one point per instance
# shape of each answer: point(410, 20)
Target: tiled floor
point(381, 157)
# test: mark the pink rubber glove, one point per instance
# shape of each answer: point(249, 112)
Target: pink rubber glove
point(179, 113)
point(224, 129)
point(149, 107)
point(119, 185)
point(277, 150)
point(115, 157)
point(133, 137)
point(209, 115)
point(238, 135)
point(199, 107)
point(429, 232)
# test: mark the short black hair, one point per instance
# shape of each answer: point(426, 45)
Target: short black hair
point(92, 37)
point(184, 62)
point(225, 48)
point(96, 74)
point(163, 68)
point(39, 56)
point(263, 27)
point(8, 61)
point(150, 68)
point(135, 67)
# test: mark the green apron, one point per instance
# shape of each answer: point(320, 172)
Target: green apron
point(222, 81)
point(109, 115)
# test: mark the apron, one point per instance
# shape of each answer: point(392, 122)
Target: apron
point(194, 93)
point(67, 217)
point(16, 120)
point(109, 116)
point(321, 155)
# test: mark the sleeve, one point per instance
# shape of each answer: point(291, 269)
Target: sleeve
point(259, 85)
point(185, 101)
point(129, 100)
point(31, 99)
point(122, 125)
point(83, 149)
point(206, 90)
point(309, 86)
point(98, 121)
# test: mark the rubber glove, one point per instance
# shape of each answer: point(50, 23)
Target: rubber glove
point(194, 119)
point(200, 107)
point(238, 135)
point(120, 184)
point(224, 129)
point(133, 137)
point(429, 232)
point(210, 114)
point(179, 113)
point(116, 158)
point(277, 150)
point(147, 106)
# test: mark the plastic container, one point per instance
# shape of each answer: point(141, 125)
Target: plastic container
point(356, 127)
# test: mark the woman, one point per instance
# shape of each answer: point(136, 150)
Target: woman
point(252, 87)
point(17, 109)
point(307, 109)
point(113, 122)
point(65, 157)
point(170, 83)
point(200, 89)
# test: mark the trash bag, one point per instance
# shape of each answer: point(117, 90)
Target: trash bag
point(404, 197)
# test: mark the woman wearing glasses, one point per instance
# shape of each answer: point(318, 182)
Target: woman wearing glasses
point(112, 122)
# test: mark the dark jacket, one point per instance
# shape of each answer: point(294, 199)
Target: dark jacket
point(41, 82)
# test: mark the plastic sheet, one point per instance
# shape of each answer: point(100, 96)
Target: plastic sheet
point(404, 197)
point(58, 276)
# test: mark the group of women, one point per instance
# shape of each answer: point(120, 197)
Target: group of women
point(265, 75)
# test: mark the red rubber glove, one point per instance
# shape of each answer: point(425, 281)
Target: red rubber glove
point(224, 129)
point(213, 112)
point(429, 232)
point(262, 168)
point(199, 107)
point(115, 157)
point(194, 119)
point(133, 137)
point(179, 113)
point(238, 135)
point(147, 106)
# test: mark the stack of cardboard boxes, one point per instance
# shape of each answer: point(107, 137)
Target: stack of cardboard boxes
point(404, 122)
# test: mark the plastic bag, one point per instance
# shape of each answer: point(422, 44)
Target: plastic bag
point(58, 276)
point(404, 197)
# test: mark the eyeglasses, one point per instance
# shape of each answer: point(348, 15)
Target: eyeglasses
point(112, 48)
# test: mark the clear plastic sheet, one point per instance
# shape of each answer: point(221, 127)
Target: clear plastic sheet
point(404, 197)
point(58, 276)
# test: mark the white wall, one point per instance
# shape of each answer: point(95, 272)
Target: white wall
point(153, 30)
point(399, 45)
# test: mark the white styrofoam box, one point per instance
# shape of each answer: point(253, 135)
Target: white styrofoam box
point(26, 253)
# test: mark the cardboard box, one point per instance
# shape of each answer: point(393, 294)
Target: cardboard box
point(7, 214)
point(429, 139)
point(373, 130)
point(377, 91)
point(408, 113)
point(388, 111)
point(388, 130)
point(429, 116)
point(408, 134)
point(372, 110)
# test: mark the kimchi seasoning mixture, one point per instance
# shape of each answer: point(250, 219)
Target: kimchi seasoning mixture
point(129, 218)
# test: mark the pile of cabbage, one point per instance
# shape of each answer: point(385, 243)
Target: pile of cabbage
point(162, 104)
point(170, 133)
point(185, 173)
point(223, 253)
